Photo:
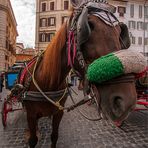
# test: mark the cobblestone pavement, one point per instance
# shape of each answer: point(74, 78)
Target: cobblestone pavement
point(77, 132)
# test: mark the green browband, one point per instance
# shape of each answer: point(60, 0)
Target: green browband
point(115, 64)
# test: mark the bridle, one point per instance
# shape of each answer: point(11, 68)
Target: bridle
point(75, 29)
point(76, 25)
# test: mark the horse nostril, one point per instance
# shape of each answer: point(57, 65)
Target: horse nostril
point(118, 106)
point(117, 102)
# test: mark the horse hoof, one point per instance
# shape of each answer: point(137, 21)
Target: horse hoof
point(27, 135)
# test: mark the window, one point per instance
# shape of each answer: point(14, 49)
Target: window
point(140, 40)
point(121, 11)
point(140, 25)
point(133, 40)
point(43, 6)
point(42, 37)
point(6, 58)
point(145, 26)
point(132, 10)
point(146, 11)
point(49, 36)
point(146, 41)
point(51, 5)
point(66, 5)
point(51, 21)
point(64, 19)
point(43, 22)
point(132, 24)
point(7, 44)
point(140, 11)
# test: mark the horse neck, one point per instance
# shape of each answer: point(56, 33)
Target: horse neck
point(53, 69)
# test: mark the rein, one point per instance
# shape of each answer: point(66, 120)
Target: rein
point(82, 102)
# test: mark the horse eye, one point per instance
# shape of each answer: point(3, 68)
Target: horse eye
point(91, 25)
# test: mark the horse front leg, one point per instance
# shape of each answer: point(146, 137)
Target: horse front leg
point(32, 124)
point(55, 126)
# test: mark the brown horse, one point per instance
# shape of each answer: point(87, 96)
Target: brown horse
point(53, 68)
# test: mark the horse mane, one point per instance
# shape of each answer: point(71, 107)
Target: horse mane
point(51, 65)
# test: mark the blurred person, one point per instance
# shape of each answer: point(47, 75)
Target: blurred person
point(1, 82)
point(73, 78)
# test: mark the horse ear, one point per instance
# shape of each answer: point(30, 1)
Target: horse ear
point(124, 36)
point(76, 3)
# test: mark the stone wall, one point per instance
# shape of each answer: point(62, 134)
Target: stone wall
point(3, 16)
point(58, 13)
point(8, 33)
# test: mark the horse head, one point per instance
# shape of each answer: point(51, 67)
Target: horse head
point(97, 32)
point(114, 82)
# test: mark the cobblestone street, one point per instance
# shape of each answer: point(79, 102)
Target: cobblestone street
point(94, 47)
point(77, 132)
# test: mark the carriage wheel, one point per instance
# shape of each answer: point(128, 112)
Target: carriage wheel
point(4, 113)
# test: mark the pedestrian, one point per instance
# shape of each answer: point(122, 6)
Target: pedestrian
point(73, 78)
point(1, 82)
point(1, 86)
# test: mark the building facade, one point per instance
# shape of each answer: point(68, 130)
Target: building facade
point(19, 48)
point(52, 13)
point(24, 54)
point(8, 34)
point(134, 13)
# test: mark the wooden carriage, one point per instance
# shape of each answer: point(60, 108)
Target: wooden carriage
point(11, 78)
